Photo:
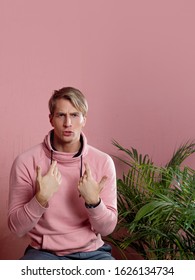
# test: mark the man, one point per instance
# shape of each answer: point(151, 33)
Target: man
point(63, 191)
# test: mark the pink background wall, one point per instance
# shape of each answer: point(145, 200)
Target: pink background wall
point(135, 61)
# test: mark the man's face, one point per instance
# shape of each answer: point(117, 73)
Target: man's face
point(67, 122)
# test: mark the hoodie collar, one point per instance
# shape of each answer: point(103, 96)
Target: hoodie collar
point(62, 156)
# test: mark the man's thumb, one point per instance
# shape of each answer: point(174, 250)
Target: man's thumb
point(102, 182)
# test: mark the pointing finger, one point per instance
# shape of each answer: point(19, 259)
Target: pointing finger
point(88, 170)
point(38, 173)
point(52, 167)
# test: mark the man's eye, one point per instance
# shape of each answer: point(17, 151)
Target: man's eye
point(75, 115)
point(60, 115)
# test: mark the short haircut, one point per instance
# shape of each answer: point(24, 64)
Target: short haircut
point(75, 96)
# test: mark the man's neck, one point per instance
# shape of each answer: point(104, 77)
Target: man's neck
point(67, 147)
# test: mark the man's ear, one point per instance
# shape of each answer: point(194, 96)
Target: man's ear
point(84, 120)
point(51, 119)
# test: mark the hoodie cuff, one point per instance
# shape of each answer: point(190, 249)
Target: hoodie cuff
point(92, 205)
point(99, 210)
point(34, 208)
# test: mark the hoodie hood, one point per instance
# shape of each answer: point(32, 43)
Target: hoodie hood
point(63, 157)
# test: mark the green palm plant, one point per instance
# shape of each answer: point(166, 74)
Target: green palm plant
point(156, 206)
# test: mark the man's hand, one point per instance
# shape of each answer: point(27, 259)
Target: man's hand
point(89, 188)
point(47, 185)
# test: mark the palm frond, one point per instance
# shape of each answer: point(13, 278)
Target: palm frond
point(156, 205)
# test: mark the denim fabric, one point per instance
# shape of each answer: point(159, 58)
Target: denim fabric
point(103, 253)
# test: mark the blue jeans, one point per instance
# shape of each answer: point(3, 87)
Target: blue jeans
point(103, 253)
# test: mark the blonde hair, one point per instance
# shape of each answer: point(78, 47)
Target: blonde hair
point(75, 96)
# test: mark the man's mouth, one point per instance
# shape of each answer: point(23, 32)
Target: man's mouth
point(67, 133)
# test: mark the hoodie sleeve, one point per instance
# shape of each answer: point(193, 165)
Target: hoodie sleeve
point(103, 218)
point(24, 211)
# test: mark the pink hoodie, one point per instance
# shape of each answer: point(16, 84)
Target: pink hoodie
point(65, 225)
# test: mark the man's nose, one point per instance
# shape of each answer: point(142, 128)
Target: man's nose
point(67, 121)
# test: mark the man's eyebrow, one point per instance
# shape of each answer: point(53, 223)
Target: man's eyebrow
point(60, 112)
point(74, 112)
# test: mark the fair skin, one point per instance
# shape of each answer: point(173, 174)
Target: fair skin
point(68, 123)
point(89, 188)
